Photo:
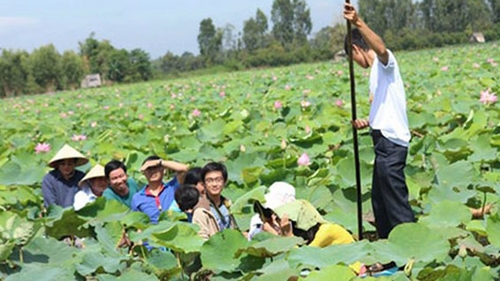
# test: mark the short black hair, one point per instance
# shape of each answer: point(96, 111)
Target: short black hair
point(307, 235)
point(214, 167)
point(187, 197)
point(357, 39)
point(149, 158)
point(113, 165)
point(193, 176)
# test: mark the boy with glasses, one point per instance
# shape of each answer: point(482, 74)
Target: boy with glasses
point(216, 217)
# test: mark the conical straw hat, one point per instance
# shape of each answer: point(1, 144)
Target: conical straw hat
point(96, 172)
point(67, 152)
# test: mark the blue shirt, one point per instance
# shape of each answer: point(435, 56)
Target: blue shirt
point(152, 205)
point(59, 191)
point(225, 213)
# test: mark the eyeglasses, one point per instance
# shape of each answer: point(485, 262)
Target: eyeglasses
point(214, 180)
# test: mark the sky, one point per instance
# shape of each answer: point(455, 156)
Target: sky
point(155, 26)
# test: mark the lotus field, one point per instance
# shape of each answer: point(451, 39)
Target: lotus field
point(285, 124)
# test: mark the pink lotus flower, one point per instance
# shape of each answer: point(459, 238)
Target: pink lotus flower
point(288, 87)
point(340, 72)
point(304, 160)
point(140, 116)
point(222, 94)
point(63, 115)
point(305, 104)
point(308, 129)
point(150, 105)
point(278, 104)
point(444, 68)
point(42, 148)
point(78, 137)
point(487, 97)
point(196, 113)
point(339, 103)
point(106, 107)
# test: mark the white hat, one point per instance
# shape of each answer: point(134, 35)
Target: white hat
point(96, 172)
point(68, 152)
point(279, 193)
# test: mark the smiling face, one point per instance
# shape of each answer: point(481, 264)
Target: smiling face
point(214, 183)
point(98, 185)
point(154, 174)
point(118, 181)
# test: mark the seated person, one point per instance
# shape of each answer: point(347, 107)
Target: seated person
point(92, 186)
point(60, 185)
point(278, 194)
point(121, 187)
point(157, 196)
point(193, 177)
point(216, 216)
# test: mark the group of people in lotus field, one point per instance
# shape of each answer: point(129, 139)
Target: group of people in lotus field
point(198, 191)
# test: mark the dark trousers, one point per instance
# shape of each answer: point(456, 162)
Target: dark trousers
point(389, 191)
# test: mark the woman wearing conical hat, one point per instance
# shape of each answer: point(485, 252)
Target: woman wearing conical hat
point(92, 186)
point(60, 185)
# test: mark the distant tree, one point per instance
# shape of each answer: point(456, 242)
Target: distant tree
point(104, 52)
point(282, 15)
point(14, 72)
point(140, 65)
point(209, 40)
point(229, 38)
point(445, 16)
point(291, 22)
point(302, 24)
point(254, 32)
point(45, 68)
point(494, 6)
point(89, 50)
point(72, 69)
point(118, 66)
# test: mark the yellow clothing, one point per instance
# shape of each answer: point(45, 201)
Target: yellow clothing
point(331, 234)
point(334, 234)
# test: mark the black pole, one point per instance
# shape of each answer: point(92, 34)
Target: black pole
point(355, 131)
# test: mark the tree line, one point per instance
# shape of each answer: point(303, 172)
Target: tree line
point(281, 38)
point(46, 70)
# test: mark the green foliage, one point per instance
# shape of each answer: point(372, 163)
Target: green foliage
point(259, 123)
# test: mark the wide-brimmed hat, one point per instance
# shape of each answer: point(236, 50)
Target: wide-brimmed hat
point(96, 172)
point(68, 152)
point(279, 193)
point(301, 212)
